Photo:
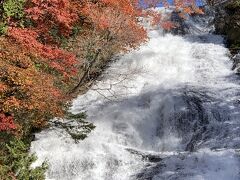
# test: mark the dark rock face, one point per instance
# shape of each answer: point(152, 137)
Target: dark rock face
point(190, 25)
point(182, 28)
point(236, 63)
point(227, 22)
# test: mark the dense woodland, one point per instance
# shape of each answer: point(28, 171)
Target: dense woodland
point(49, 50)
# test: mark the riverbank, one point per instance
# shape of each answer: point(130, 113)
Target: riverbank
point(50, 51)
point(176, 118)
point(15, 160)
point(227, 23)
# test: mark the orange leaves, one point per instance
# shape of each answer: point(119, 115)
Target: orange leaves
point(117, 18)
point(96, 15)
point(47, 15)
point(167, 25)
point(52, 12)
point(192, 8)
point(198, 11)
point(3, 87)
point(187, 10)
point(26, 93)
point(187, 7)
point(128, 7)
point(10, 103)
point(6, 123)
point(33, 65)
point(58, 59)
point(54, 19)
point(182, 7)
point(121, 17)
point(155, 17)
point(30, 61)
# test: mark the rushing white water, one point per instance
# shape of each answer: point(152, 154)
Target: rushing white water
point(169, 110)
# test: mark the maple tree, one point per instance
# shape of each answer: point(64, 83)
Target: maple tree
point(101, 28)
point(48, 19)
point(26, 94)
point(48, 47)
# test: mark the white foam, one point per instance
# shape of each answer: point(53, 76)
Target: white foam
point(125, 106)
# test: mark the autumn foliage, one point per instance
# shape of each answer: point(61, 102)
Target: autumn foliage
point(44, 45)
point(27, 93)
point(48, 17)
point(6, 123)
point(50, 48)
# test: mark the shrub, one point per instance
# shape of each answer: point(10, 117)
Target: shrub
point(12, 13)
point(16, 163)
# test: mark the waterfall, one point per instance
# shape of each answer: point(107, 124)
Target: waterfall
point(168, 110)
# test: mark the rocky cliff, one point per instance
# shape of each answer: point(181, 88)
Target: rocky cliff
point(227, 22)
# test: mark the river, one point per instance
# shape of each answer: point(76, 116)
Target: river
point(169, 110)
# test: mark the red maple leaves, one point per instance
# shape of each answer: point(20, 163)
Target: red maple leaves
point(47, 15)
point(6, 123)
point(58, 59)
point(27, 89)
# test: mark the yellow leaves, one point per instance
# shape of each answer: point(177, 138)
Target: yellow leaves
point(10, 104)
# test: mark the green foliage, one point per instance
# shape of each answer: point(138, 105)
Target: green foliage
point(234, 4)
point(75, 125)
point(76, 30)
point(57, 37)
point(43, 67)
point(237, 3)
point(11, 9)
point(17, 163)
point(81, 128)
point(78, 117)
point(3, 28)
point(235, 46)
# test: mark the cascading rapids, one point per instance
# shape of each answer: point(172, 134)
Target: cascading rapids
point(169, 110)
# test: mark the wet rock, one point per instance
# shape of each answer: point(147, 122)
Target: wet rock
point(227, 22)
point(182, 27)
point(187, 25)
point(236, 63)
point(152, 158)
